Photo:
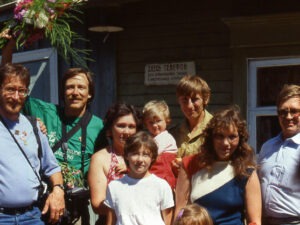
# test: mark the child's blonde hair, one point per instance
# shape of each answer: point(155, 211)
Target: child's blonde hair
point(156, 108)
point(193, 215)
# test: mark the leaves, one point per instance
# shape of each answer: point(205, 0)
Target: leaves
point(71, 176)
point(36, 19)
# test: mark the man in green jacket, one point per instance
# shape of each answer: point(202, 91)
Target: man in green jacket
point(74, 151)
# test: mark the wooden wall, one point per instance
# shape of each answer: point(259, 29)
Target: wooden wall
point(174, 31)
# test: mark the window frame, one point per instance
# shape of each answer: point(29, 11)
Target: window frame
point(254, 111)
point(48, 55)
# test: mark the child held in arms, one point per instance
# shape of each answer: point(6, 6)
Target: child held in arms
point(156, 117)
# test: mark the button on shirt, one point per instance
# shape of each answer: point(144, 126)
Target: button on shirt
point(279, 162)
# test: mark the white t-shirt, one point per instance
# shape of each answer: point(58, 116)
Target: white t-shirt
point(139, 201)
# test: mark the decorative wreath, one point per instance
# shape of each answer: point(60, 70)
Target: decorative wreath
point(37, 19)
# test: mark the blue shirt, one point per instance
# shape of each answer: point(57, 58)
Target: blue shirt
point(18, 183)
point(279, 162)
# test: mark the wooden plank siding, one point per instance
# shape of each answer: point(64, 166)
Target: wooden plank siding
point(162, 32)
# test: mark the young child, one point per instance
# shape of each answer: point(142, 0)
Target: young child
point(193, 215)
point(139, 197)
point(156, 117)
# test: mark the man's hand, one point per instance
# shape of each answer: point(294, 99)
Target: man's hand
point(56, 204)
point(42, 126)
point(7, 50)
point(5, 34)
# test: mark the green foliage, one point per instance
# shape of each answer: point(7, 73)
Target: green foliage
point(36, 19)
point(72, 177)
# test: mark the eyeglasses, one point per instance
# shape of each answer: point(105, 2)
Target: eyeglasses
point(230, 138)
point(284, 112)
point(22, 92)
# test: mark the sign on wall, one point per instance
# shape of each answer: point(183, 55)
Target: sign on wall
point(168, 73)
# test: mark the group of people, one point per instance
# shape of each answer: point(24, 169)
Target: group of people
point(136, 170)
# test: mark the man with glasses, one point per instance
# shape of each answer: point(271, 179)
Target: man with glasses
point(20, 162)
point(279, 162)
point(73, 132)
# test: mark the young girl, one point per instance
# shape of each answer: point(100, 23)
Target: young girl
point(139, 197)
point(193, 215)
point(156, 117)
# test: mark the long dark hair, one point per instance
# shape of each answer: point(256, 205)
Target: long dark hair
point(118, 110)
point(243, 157)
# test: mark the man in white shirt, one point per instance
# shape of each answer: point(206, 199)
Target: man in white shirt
point(279, 162)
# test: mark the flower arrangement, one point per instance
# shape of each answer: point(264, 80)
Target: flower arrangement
point(37, 19)
point(71, 176)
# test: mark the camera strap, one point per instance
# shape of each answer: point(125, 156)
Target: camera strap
point(22, 151)
point(84, 120)
point(82, 123)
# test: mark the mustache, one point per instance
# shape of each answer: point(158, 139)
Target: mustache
point(15, 102)
point(74, 98)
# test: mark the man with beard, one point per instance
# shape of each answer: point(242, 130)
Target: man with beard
point(22, 162)
point(279, 163)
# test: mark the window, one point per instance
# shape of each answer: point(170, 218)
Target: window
point(265, 79)
point(42, 65)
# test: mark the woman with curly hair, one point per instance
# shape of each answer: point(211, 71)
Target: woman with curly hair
point(222, 177)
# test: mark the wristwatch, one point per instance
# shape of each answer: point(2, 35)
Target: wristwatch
point(59, 185)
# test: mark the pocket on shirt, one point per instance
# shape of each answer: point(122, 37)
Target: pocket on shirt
point(278, 175)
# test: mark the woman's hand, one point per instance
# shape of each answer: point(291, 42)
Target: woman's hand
point(121, 168)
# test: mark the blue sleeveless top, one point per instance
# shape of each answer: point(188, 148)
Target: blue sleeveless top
point(221, 193)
